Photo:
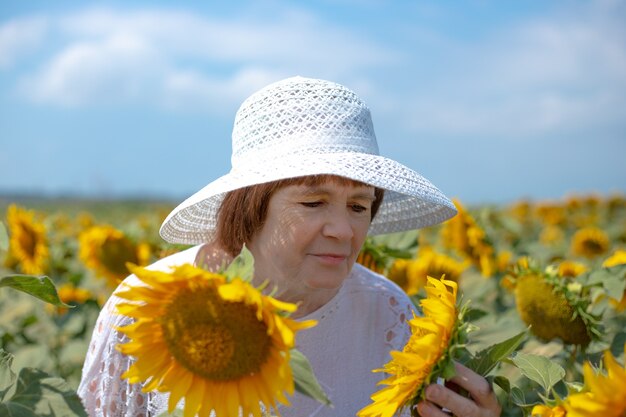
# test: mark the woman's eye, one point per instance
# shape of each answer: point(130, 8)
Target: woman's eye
point(311, 203)
point(358, 208)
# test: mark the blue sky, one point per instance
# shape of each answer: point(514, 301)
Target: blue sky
point(492, 101)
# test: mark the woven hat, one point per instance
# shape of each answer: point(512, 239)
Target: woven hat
point(302, 126)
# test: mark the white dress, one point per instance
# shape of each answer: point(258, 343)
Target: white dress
point(356, 330)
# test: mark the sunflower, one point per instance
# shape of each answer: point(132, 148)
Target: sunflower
point(545, 307)
point(221, 345)
point(28, 244)
point(551, 214)
point(69, 294)
point(541, 410)
point(464, 235)
point(106, 250)
point(604, 395)
point(427, 355)
point(521, 211)
point(571, 269)
point(398, 273)
point(370, 260)
point(618, 258)
point(432, 264)
point(590, 242)
point(551, 235)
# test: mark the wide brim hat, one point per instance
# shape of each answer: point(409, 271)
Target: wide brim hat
point(299, 127)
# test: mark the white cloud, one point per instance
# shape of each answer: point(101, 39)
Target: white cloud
point(563, 72)
point(19, 37)
point(196, 90)
point(558, 74)
point(98, 70)
point(110, 52)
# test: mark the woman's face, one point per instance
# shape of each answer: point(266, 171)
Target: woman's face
point(312, 236)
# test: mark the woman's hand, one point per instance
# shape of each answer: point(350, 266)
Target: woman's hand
point(482, 402)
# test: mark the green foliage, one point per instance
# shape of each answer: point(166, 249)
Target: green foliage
point(241, 267)
point(4, 238)
point(539, 369)
point(40, 287)
point(55, 339)
point(484, 361)
point(35, 393)
point(304, 378)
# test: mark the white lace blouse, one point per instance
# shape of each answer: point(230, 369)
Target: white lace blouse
point(356, 331)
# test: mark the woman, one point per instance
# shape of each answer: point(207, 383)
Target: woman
point(306, 187)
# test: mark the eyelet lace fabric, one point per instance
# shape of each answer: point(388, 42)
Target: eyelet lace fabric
point(356, 331)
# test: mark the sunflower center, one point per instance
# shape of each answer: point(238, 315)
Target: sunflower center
point(28, 241)
point(593, 247)
point(213, 338)
point(115, 253)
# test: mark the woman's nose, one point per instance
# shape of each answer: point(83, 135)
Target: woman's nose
point(338, 225)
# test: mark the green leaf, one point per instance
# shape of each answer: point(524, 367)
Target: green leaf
point(39, 287)
point(402, 241)
point(241, 267)
point(37, 394)
point(4, 237)
point(617, 345)
point(304, 378)
point(473, 314)
point(485, 360)
point(517, 396)
point(540, 369)
point(503, 383)
point(7, 376)
point(615, 281)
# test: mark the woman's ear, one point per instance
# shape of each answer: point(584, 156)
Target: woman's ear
point(212, 257)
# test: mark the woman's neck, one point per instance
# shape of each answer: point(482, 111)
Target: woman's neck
point(308, 301)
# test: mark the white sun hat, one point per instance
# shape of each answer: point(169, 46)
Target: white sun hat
point(303, 126)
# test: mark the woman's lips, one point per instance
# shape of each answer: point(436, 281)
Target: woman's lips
point(330, 258)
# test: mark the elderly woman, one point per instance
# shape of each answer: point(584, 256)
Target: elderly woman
point(306, 187)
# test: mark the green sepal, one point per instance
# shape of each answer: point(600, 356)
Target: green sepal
point(304, 379)
point(448, 371)
point(241, 267)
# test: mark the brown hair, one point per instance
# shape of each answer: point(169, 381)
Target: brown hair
point(243, 211)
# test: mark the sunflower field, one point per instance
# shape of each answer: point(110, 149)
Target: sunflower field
point(540, 288)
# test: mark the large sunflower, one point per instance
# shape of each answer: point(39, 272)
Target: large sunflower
point(604, 395)
point(106, 250)
point(425, 356)
point(221, 345)
point(543, 305)
point(28, 244)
